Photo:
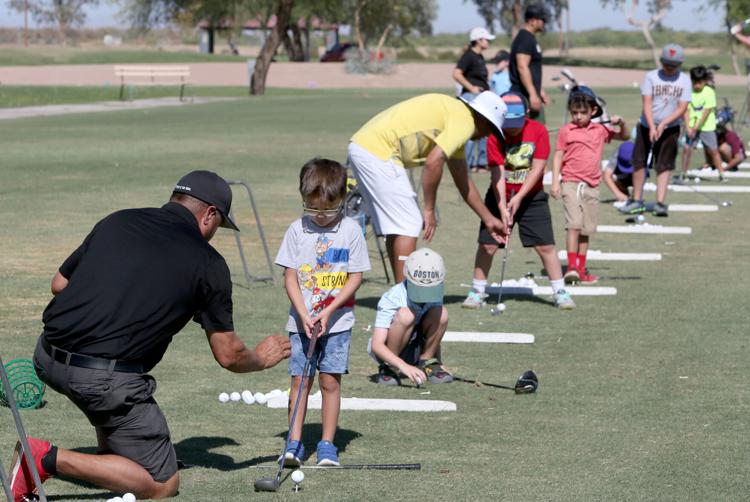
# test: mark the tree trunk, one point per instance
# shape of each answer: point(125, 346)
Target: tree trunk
point(263, 63)
point(357, 28)
point(662, 7)
point(517, 18)
point(299, 50)
point(381, 42)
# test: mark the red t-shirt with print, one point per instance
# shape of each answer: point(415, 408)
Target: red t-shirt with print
point(516, 153)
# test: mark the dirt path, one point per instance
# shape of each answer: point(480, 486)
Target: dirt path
point(314, 75)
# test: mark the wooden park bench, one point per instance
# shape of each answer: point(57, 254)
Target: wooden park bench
point(152, 75)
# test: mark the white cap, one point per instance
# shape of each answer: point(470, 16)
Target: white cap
point(479, 33)
point(425, 276)
point(490, 106)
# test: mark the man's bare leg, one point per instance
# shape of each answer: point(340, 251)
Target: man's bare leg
point(115, 473)
point(399, 245)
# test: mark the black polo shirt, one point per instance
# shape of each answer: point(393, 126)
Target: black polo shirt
point(136, 281)
point(525, 43)
point(474, 69)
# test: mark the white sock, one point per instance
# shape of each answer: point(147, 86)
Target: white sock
point(557, 285)
point(479, 285)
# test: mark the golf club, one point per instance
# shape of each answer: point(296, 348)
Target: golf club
point(272, 484)
point(358, 467)
point(499, 307)
point(527, 383)
point(722, 203)
point(25, 449)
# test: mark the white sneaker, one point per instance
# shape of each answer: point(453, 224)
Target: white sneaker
point(563, 301)
point(619, 203)
point(474, 300)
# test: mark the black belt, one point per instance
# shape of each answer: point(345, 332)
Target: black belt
point(90, 362)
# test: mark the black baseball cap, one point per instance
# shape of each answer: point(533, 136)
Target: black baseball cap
point(536, 11)
point(211, 189)
point(502, 55)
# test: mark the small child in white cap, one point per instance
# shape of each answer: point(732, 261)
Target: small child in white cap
point(410, 324)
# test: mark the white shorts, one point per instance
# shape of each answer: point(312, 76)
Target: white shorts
point(387, 193)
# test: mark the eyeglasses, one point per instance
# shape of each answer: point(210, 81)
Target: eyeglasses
point(309, 211)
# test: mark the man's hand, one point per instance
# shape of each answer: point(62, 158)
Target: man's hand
point(429, 225)
point(545, 98)
point(273, 349)
point(535, 103)
point(475, 89)
point(414, 374)
point(497, 228)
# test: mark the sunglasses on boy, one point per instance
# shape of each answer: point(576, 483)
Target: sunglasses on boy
point(310, 211)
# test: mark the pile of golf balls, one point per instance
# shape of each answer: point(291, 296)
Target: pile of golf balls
point(128, 497)
point(523, 282)
point(249, 398)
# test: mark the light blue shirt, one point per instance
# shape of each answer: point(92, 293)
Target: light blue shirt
point(396, 298)
point(500, 82)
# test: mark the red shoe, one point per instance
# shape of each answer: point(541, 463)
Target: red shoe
point(21, 481)
point(586, 278)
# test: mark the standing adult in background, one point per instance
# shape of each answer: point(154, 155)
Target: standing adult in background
point(500, 79)
point(136, 280)
point(429, 130)
point(526, 61)
point(471, 74)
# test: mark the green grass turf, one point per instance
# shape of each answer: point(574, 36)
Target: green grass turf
point(642, 395)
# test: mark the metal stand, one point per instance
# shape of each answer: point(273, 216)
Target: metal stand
point(22, 437)
point(249, 278)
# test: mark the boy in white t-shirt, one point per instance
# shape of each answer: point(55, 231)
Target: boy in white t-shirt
point(323, 255)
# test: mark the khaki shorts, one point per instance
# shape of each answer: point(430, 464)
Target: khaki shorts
point(581, 203)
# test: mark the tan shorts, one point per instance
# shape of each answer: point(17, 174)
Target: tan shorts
point(581, 203)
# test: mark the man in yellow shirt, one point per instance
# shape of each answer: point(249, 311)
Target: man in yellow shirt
point(428, 130)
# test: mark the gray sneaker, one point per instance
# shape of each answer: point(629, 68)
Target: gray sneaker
point(633, 207)
point(563, 301)
point(660, 210)
point(474, 300)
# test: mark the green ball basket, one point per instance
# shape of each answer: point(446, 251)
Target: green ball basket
point(28, 390)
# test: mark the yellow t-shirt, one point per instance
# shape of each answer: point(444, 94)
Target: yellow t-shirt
point(406, 132)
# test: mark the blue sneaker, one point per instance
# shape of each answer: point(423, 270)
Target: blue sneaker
point(294, 454)
point(328, 454)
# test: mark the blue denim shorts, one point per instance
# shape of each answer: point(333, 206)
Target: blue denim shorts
point(331, 353)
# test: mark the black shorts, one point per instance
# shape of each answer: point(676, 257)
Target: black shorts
point(664, 151)
point(624, 179)
point(533, 219)
point(121, 408)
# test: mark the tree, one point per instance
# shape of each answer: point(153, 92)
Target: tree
point(508, 14)
point(377, 19)
point(657, 11)
point(65, 14)
point(283, 13)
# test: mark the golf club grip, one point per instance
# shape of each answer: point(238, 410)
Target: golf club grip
point(313, 339)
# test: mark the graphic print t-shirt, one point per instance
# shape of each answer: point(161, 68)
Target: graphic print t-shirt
point(667, 92)
point(408, 131)
point(323, 259)
point(516, 154)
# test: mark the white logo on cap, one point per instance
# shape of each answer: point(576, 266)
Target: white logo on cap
point(182, 187)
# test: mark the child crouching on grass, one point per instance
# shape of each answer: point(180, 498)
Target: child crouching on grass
point(580, 144)
point(410, 324)
point(323, 255)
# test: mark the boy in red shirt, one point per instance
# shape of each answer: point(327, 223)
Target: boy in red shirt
point(580, 144)
point(516, 195)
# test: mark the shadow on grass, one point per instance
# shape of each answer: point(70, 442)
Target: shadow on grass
point(196, 452)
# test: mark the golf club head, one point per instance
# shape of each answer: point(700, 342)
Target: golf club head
point(267, 485)
point(527, 383)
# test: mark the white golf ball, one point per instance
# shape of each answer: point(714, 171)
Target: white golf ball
point(696, 180)
point(234, 396)
point(247, 397)
point(276, 392)
point(260, 398)
point(128, 497)
point(223, 397)
point(115, 499)
point(298, 476)
point(501, 307)
point(640, 218)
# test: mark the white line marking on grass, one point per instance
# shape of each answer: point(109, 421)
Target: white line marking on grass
point(693, 208)
point(651, 187)
point(710, 173)
point(354, 403)
point(481, 337)
point(596, 255)
point(547, 290)
point(642, 229)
